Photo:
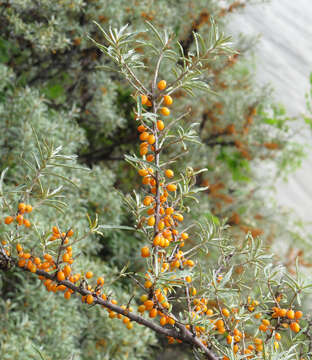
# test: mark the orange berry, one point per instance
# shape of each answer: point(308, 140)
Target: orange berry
point(149, 304)
point(169, 173)
point(148, 284)
point(141, 128)
point(278, 336)
point(60, 276)
point(66, 257)
point(19, 219)
point(171, 187)
point(151, 221)
point(266, 322)
point(298, 314)
point(70, 232)
point(263, 328)
point(143, 151)
point(144, 136)
point(145, 252)
point(126, 320)
point(153, 313)
point(169, 210)
point(160, 125)
point(295, 327)
point(21, 208)
point(143, 172)
point(67, 270)
point(26, 223)
point(225, 312)
point(229, 339)
point(162, 84)
point(168, 100)
point(19, 247)
point(89, 299)
point(148, 200)
point(290, 314)
point(141, 309)
point(282, 312)
point(184, 236)
point(129, 326)
point(179, 217)
point(55, 230)
point(163, 321)
point(28, 208)
point(188, 279)
point(150, 157)
point(100, 281)
point(8, 220)
point(48, 257)
point(165, 111)
point(149, 103)
point(89, 274)
point(21, 263)
point(151, 139)
point(67, 295)
point(144, 99)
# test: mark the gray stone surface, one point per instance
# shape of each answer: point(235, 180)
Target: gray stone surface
point(284, 59)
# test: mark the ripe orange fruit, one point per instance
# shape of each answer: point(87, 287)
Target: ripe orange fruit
point(278, 336)
point(21, 263)
point(148, 200)
point(89, 274)
point(153, 313)
point(28, 208)
point(8, 220)
point(21, 208)
point(165, 111)
point(26, 222)
point(67, 270)
point(141, 309)
point(169, 173)
point(162, 84)
point(151, 221)
point(129, 326)
point(295, 327)
point(168, 100)
point(151, 139)
point(290, 314)
point(89, 299)
point(100, 281)
point(143, 172)
point(160, 125)
point(148, 284)
point(163, 321)
point(225, 312)
point(298, 314)
point(144, 99)
point(70, 232)
point(171, 187)
point(141, 128)
point(19, 248)
point(67, 295)
point(148, 304)
point(144, 136)
point(145, 252)
point(60, 276)
point(19, 219)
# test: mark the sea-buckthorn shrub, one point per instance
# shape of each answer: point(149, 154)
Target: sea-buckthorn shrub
point(210, 303)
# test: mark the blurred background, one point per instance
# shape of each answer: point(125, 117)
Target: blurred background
point(284, 61)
